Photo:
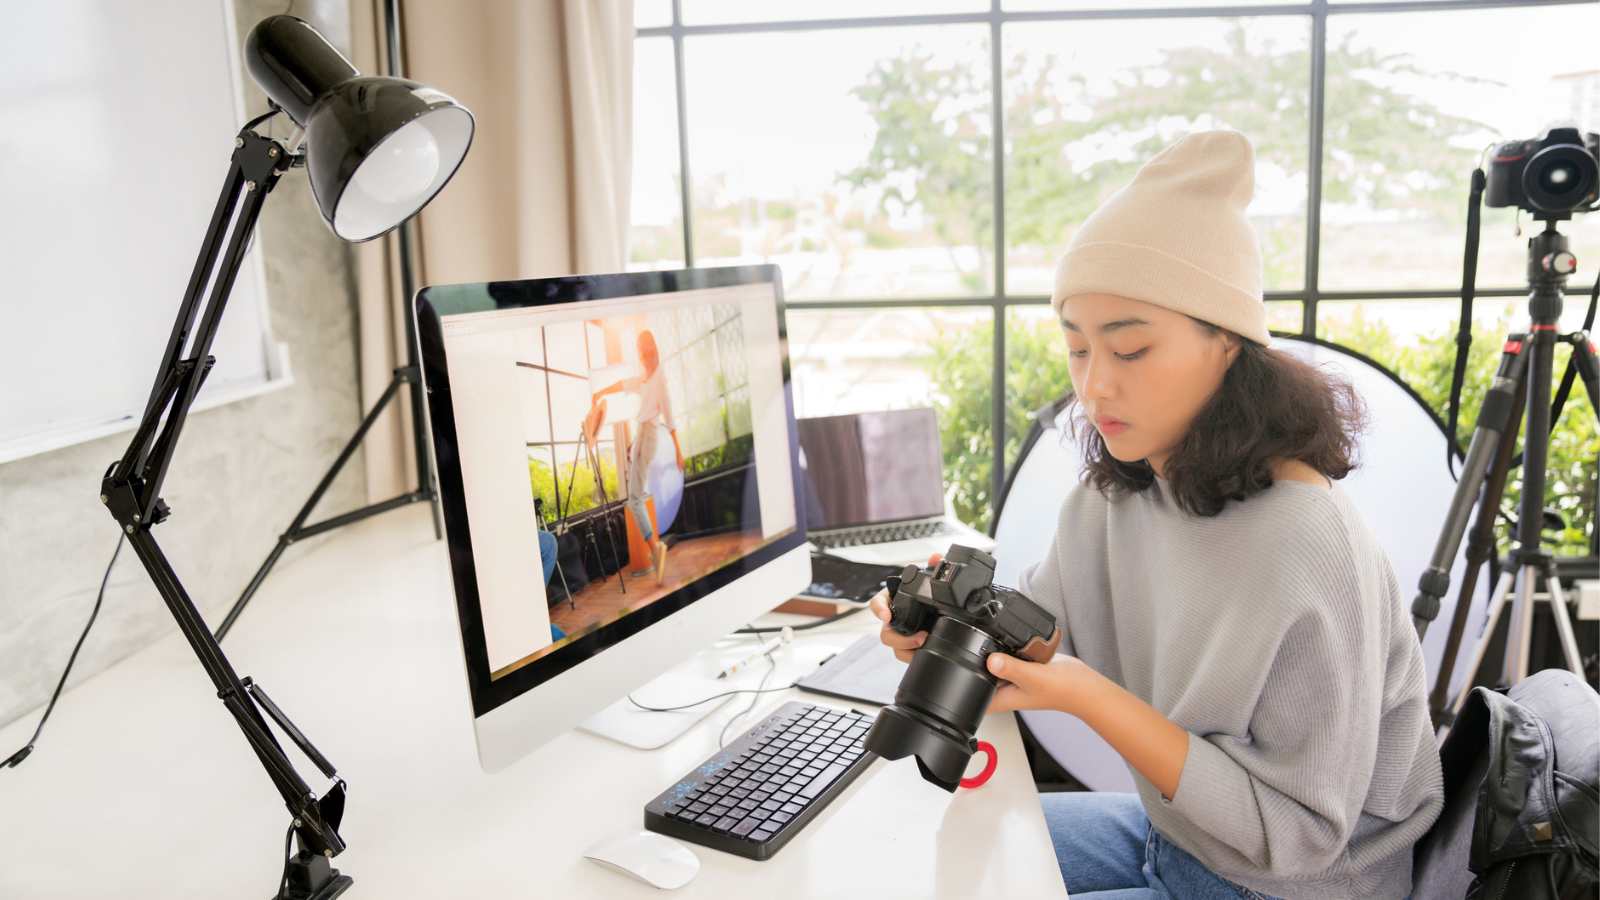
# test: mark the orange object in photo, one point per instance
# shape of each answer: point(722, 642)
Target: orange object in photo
point(638, 552)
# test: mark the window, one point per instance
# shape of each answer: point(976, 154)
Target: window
point(913, 199)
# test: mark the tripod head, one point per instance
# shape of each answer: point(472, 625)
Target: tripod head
point(1550, 262)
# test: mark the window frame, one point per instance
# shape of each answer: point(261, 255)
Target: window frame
point(999, 300)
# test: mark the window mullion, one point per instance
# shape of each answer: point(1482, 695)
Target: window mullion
point(1317, 104)
point(997, 112)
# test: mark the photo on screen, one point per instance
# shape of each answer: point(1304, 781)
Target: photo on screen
point(638, 430)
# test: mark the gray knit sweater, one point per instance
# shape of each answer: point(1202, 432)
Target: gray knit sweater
point(1276, 635)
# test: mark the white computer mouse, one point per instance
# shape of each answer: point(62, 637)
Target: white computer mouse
point(654, 859)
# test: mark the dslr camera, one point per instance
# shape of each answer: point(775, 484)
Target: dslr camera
point(947, 689)
point(1555, 174)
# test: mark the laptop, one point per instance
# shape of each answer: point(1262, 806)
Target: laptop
point(874, 487)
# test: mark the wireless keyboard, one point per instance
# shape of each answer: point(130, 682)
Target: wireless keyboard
point(754, 795)
point(879, 534)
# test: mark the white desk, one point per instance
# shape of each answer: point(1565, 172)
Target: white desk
point(142, 786)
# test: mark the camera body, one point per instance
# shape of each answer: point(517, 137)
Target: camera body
point(947, 689)
point(962, 587)
point(1554, 174)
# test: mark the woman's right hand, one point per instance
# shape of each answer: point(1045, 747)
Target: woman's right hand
point(903, 645)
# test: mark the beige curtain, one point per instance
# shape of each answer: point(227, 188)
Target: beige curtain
point(544, 190)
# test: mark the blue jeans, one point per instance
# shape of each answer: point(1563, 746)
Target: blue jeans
point(1108, 851)
point(547, 556)
point(547, 553)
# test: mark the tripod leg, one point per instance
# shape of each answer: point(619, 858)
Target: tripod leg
point(1497, 602)
point(1558, 609)
point(1520, 634)
point(1498, 403)
point(600, 488)
point(298, 525)
point(1480, 550)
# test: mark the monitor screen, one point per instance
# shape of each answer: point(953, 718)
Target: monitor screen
point(869, 468)
point(624, 408)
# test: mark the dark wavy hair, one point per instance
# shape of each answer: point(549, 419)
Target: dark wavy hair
point(1271, 406)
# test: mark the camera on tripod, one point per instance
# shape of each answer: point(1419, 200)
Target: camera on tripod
point(1554, 176)
point(947, 689)
point(1557, 172)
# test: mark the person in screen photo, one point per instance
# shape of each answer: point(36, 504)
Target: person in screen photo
point(1230, 624)
point(654, 407)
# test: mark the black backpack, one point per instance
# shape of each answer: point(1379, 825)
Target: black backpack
point(1521, 818)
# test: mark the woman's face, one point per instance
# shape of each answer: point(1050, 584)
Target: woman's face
point(1141, 372)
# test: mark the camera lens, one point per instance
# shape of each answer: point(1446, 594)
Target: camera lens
point(940, 703)
point(1560, 178)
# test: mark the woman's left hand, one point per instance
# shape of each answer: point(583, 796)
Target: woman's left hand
point(1056, 684)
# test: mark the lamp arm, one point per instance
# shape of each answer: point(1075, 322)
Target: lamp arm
point(256, 165)
point(132, 486)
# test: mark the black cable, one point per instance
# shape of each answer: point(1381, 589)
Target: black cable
point(825, 620)
point(250, 125)
point(722, 737)
point(17, 757)
point(283, 883)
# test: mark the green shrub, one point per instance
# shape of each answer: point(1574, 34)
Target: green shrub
point(961, 368)
point(1428, 364)
point(583, 497)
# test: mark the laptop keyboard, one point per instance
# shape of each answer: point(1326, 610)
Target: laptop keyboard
point(879, 534)
point(753, 796)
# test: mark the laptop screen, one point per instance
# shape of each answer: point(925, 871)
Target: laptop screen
point(869, 468)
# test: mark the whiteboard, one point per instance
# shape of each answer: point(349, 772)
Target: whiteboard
point(117, 123)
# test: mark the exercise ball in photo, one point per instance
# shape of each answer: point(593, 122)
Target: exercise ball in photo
point(664, 480)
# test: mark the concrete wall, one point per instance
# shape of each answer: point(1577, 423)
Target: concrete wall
point(240, 474)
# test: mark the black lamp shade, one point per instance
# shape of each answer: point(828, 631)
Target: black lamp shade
point(377, 148)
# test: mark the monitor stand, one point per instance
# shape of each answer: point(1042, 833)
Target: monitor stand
point(625, 723)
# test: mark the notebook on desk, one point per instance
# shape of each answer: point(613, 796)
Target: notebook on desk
point(874, 487)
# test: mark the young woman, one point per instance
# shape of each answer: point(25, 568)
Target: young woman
point(1231, 626)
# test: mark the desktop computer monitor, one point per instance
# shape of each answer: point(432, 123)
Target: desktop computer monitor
point(585, 393)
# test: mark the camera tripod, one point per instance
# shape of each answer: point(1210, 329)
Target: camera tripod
point(589, 458)
point(1519, 395)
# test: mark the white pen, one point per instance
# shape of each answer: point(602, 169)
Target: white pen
point(767, 647)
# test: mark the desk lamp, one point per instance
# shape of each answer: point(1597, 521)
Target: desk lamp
point(376, 149)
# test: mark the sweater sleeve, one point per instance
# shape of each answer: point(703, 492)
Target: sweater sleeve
point(1076, 554)
point(1041, 583)
point(1284, 795)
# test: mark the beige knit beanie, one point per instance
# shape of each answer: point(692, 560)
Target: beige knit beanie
point(1177, 237)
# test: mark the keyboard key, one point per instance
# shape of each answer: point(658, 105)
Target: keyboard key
point(745, 827)
point(771, 805)
point(706, 820)
point(720, 811)
point(792, 808)
point(821, 782)
point(760, 836)
point(738, 793)
point(777, 819)
point(748, 804)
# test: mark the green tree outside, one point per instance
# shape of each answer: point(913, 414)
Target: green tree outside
point(932, 153)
